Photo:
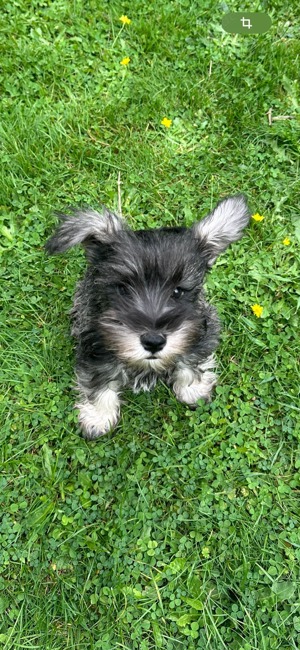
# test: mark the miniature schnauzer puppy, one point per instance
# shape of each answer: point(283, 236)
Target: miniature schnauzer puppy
point(140, 312)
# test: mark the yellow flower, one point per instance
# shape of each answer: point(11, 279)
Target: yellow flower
point(125, 20)
point(125, 61)
point(167, 123)
point(286, 241)
point(257, 310)
point(257, 217)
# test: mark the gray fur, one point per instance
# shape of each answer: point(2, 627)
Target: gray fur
point(140, 313)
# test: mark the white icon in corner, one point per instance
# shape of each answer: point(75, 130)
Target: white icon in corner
point(246, 22)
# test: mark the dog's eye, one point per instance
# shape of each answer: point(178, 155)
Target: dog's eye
point(123, 290)
point(178, 293)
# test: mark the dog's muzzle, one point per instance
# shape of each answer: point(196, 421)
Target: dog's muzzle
point(153, 342)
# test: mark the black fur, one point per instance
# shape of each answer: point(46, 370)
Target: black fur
point(140, 312)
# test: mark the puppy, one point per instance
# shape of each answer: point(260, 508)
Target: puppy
point(140, 312)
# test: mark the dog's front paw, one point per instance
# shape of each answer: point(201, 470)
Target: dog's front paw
point(99, 417)
point(191, 393)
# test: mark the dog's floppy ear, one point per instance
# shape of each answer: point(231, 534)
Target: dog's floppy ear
point(84, 227)
point(224, 225)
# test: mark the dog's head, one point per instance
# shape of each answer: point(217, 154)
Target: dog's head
point(146, 286)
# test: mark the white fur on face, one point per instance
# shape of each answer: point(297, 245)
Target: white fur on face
point(178, 341)
point(129, 349)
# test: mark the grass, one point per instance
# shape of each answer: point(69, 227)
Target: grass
point(181, 530)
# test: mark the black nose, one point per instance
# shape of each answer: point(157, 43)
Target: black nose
point(153, 342)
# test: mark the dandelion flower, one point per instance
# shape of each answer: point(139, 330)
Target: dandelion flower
point(125, 61)
point(125, 20)
point(257, 310)
point(257, 217)
point(166, 122)
point(286, 241)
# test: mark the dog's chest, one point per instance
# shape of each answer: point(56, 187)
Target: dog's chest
point(144, 380)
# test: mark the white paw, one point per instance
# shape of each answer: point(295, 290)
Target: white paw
point(190, 393)
point(101, 416)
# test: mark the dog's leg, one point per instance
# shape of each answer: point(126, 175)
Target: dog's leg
point(192, 384)
point(101, 413)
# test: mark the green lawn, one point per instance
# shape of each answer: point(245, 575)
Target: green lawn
point(180, 530)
